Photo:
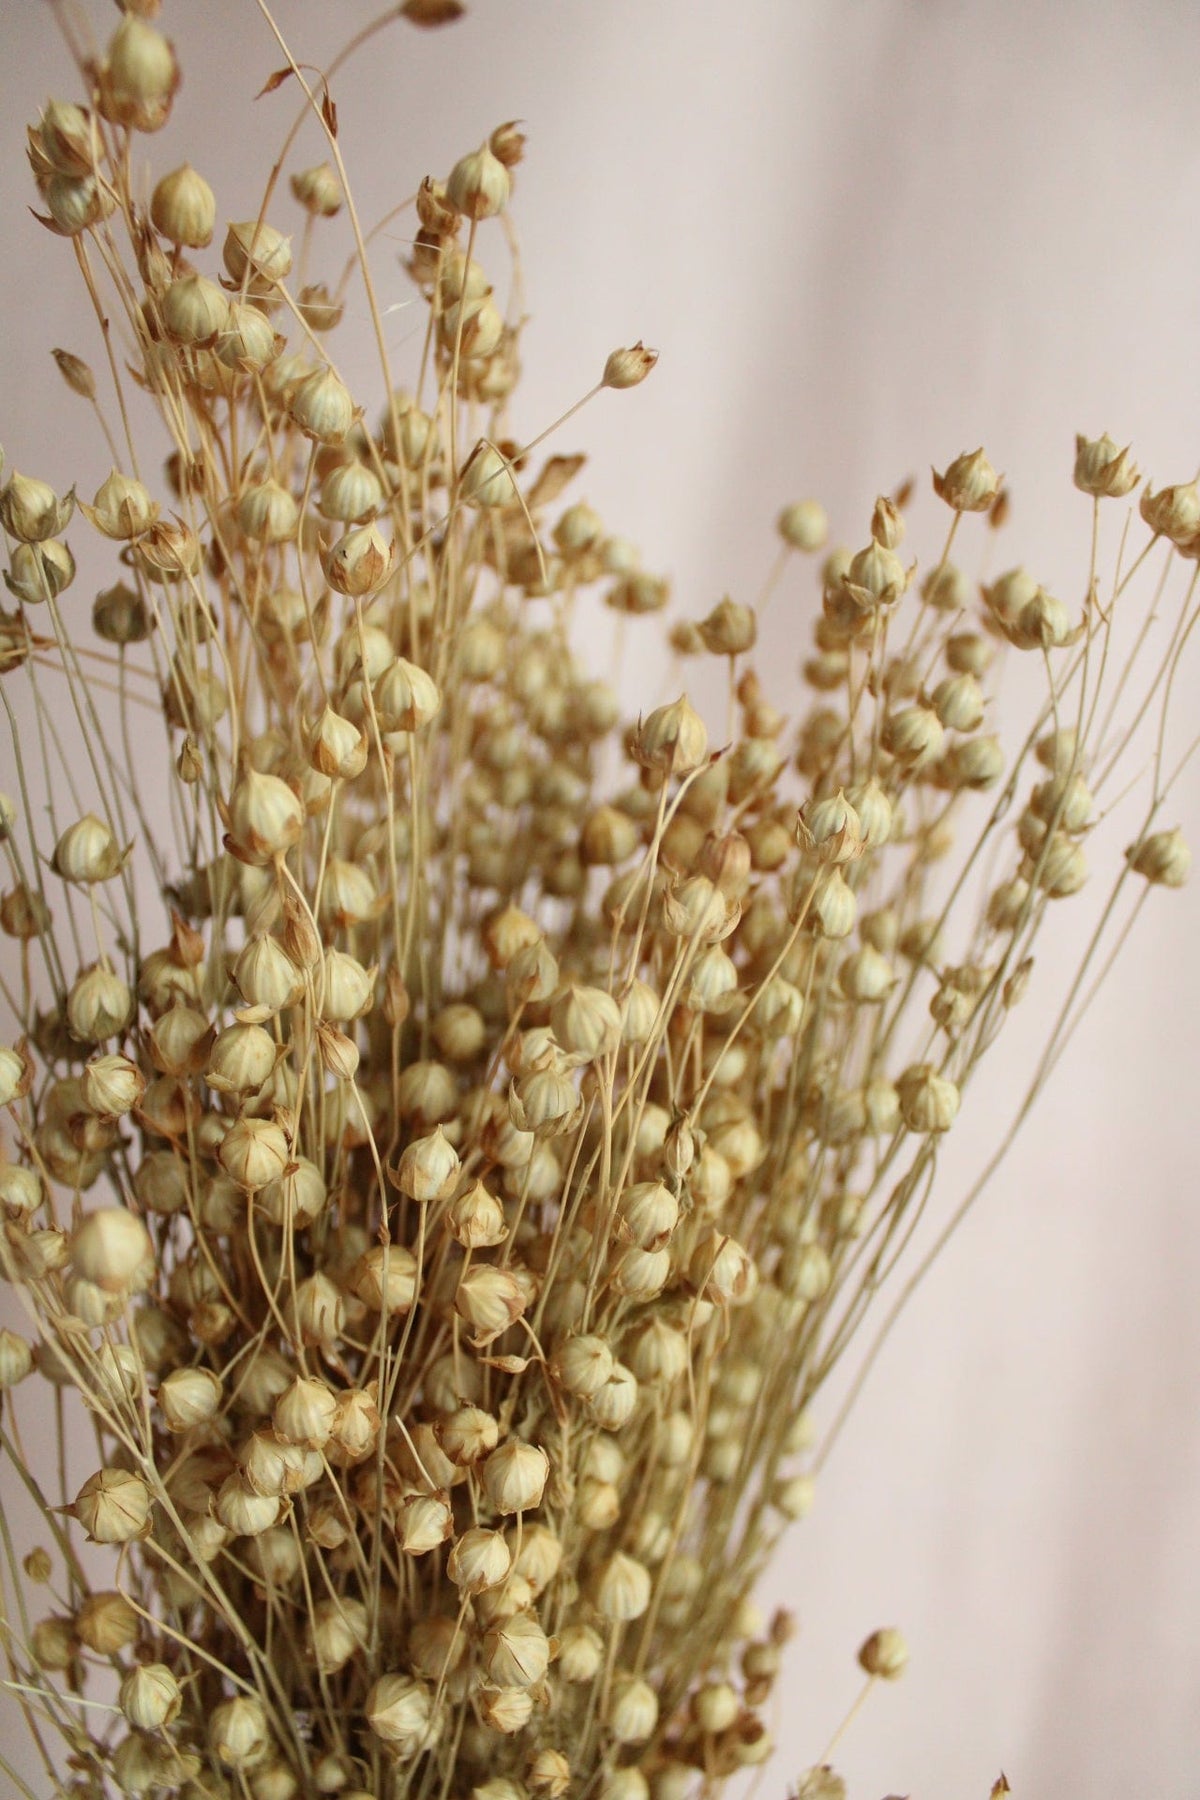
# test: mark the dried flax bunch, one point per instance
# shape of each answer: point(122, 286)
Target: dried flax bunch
point(437, 1200)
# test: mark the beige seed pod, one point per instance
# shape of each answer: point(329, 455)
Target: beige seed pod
point(188, 1397)
point(672, 740)
point(884, 1654)
point(621, 1590)
point(479, 184)
point(360, 562)
point(468, 1435)
point(113, 1250)
point(112, 1085)
point(31, 511)
point(337, 1631)
point(266, 976)
point(804, 525)
point(487, 479)
point(183, 208)
point(122, 507)
point(266, 817)
point(866, 976)
point(106, 1623)
point(1173, 512)
point(833, 908)
point(150, 1697)
point(113, 1507)
point(429, 1168)
point(632, 1710)
point(549, 1773)
point(194, 310)
point(616, 1402)
point(480, 1560)
point(253, 1152)
point(318, 190)
point(99, 1005)
point(241, 1059)
point(54, 1643)
point(476, 1219)
point(1163, 858)
point(16, 1358)
point(516, 1652)
point(385, 1279)
point(318, 1310)
point(424, 1523)
point(1060, 867)
point(256, 254)
point(913, 735)
point(928, 1101)
point(406, 697)
point(969, 483)
point(640, 1274)
point(243, 1511)
point(1102, 468)
point(321, 406)
point(304, 1413)
point(399, 1711)
point(582, 1365)
point(351, 493)
point(238, 1734)
point(627, 368)
point(490, 1299)
point(831, 828)
point(514, 1476)
point(580, 1653)
point(729, 629)
point(40, 572)
point(139, 76)
point(874, 577)
point(507, 1710)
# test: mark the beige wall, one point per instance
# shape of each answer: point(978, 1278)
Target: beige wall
point(865, 235)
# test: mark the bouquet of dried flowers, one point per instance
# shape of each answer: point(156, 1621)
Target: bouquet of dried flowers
point(451, 1134)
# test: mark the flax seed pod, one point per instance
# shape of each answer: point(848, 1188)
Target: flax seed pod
point(632, 1710)
point(188, 1397)
point(582, 1365)
point(514, 1476)
point(516, 1652)
point(479, 1560)
point(238, 1733)
point(113, 1507)
point(183, 208)
point(621, 1589)
point(399, 1711)
point(150, 1697)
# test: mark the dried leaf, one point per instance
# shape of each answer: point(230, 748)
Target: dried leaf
point(329, 113)
point(274, 81)
point(558, 472)
point(429, 13)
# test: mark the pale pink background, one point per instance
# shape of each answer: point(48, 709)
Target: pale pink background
point(865, 236)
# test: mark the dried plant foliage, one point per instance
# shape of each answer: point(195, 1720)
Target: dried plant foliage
point(441, 1200)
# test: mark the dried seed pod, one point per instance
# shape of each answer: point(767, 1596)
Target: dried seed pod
point(183, 208)
point(1163, 858)
point(621, 1590)
point(969, 484)
point(318, 190)
point(238, 1734)
point(113, 1507)
point(399, 1711)
point(514, 1476)
point(884, 1654)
